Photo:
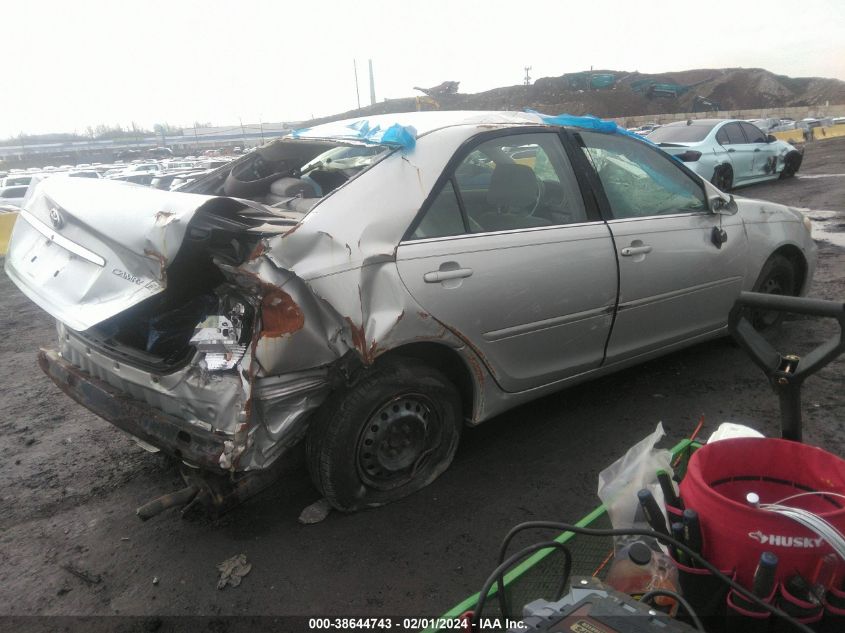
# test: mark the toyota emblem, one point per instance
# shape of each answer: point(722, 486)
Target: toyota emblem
point(56, 219)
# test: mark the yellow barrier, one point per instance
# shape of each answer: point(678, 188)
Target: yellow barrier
point(819, 134)
point(7, 221)
point(790, 136)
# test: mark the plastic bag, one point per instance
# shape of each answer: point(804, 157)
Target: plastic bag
point(620, 482)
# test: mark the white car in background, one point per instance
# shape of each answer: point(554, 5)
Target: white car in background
point(728, 152)
point(13, 196)
point(16, 179)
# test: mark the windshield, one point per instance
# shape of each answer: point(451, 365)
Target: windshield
point(681, 132)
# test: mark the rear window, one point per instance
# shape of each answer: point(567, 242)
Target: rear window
point(288, 168)
point(681, 133)
point(13, 192)
point(18, 180)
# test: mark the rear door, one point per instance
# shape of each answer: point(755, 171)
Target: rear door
point(507, 255)
point(676, 282)
point(740, 152)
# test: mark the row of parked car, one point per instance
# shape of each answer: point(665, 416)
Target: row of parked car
point(767, 125)
point(163, 174)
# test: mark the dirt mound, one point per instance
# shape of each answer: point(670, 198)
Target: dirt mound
point(613, 93)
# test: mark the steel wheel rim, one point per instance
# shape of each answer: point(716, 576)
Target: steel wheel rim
point(396, 440)
point(774, 285)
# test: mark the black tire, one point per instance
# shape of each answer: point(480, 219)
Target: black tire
point(723, 178)
point(391, 433)
point(777, 277)
point(791, 165)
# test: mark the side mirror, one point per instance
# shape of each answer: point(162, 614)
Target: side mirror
point(721, 206)
point(770, 138)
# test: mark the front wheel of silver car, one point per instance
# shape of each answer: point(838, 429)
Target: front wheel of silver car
point(777, 277)
point(391, 433)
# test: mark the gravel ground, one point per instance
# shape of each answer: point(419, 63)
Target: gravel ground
point(70, 544)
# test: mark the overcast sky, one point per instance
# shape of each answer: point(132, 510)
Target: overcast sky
point(69, 65)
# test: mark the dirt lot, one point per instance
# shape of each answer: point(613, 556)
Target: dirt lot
point(70, 544)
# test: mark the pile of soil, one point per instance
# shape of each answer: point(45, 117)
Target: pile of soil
point(730, 88)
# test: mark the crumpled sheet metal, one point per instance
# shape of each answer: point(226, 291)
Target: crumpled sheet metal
point(333, 238)
point(330, 286)
point(203, 398)
point(323, 293)
point(148, 220)
point(130, 238)
point(342, 276)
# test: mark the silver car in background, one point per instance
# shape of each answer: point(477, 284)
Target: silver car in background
point(728, 152)
point(372, 286)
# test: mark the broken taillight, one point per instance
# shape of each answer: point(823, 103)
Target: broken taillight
point(222, 337)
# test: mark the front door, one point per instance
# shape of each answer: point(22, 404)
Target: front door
point(678, 279)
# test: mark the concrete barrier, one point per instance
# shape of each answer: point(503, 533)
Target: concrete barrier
point(821, 133)
point(7, 221)
point(790, 136)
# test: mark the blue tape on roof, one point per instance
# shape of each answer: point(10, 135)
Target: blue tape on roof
point(587, 122)
point(404, 136)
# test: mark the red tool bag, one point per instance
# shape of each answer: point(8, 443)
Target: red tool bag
point(734, 532)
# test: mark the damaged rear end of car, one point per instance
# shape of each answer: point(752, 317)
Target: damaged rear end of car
point(175, 325)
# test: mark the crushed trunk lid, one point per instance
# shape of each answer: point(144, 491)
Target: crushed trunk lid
point(86, 251)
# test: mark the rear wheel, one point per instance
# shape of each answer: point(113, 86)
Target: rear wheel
point(778, 277)
point(723, 178)
point(388, 435)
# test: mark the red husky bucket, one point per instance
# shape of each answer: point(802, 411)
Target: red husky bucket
point(735, 533)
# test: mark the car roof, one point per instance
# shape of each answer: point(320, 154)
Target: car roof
point(422, 122)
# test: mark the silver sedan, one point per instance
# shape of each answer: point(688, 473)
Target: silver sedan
point(372, 286)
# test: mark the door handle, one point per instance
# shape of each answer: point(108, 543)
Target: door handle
point(436, 276)
point(629, 251)
point(757, 150)
point(732, 150)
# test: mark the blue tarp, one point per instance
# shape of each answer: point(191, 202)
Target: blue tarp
point(588, 122)
point(404, 136)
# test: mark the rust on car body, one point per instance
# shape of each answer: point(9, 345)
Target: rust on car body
point(279, 314)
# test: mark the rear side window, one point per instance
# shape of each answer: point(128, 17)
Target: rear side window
point(13, 192)
point(507, 183)
point(692, 132)
point(443, 217)
point(733, 134)
point(639, 181)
